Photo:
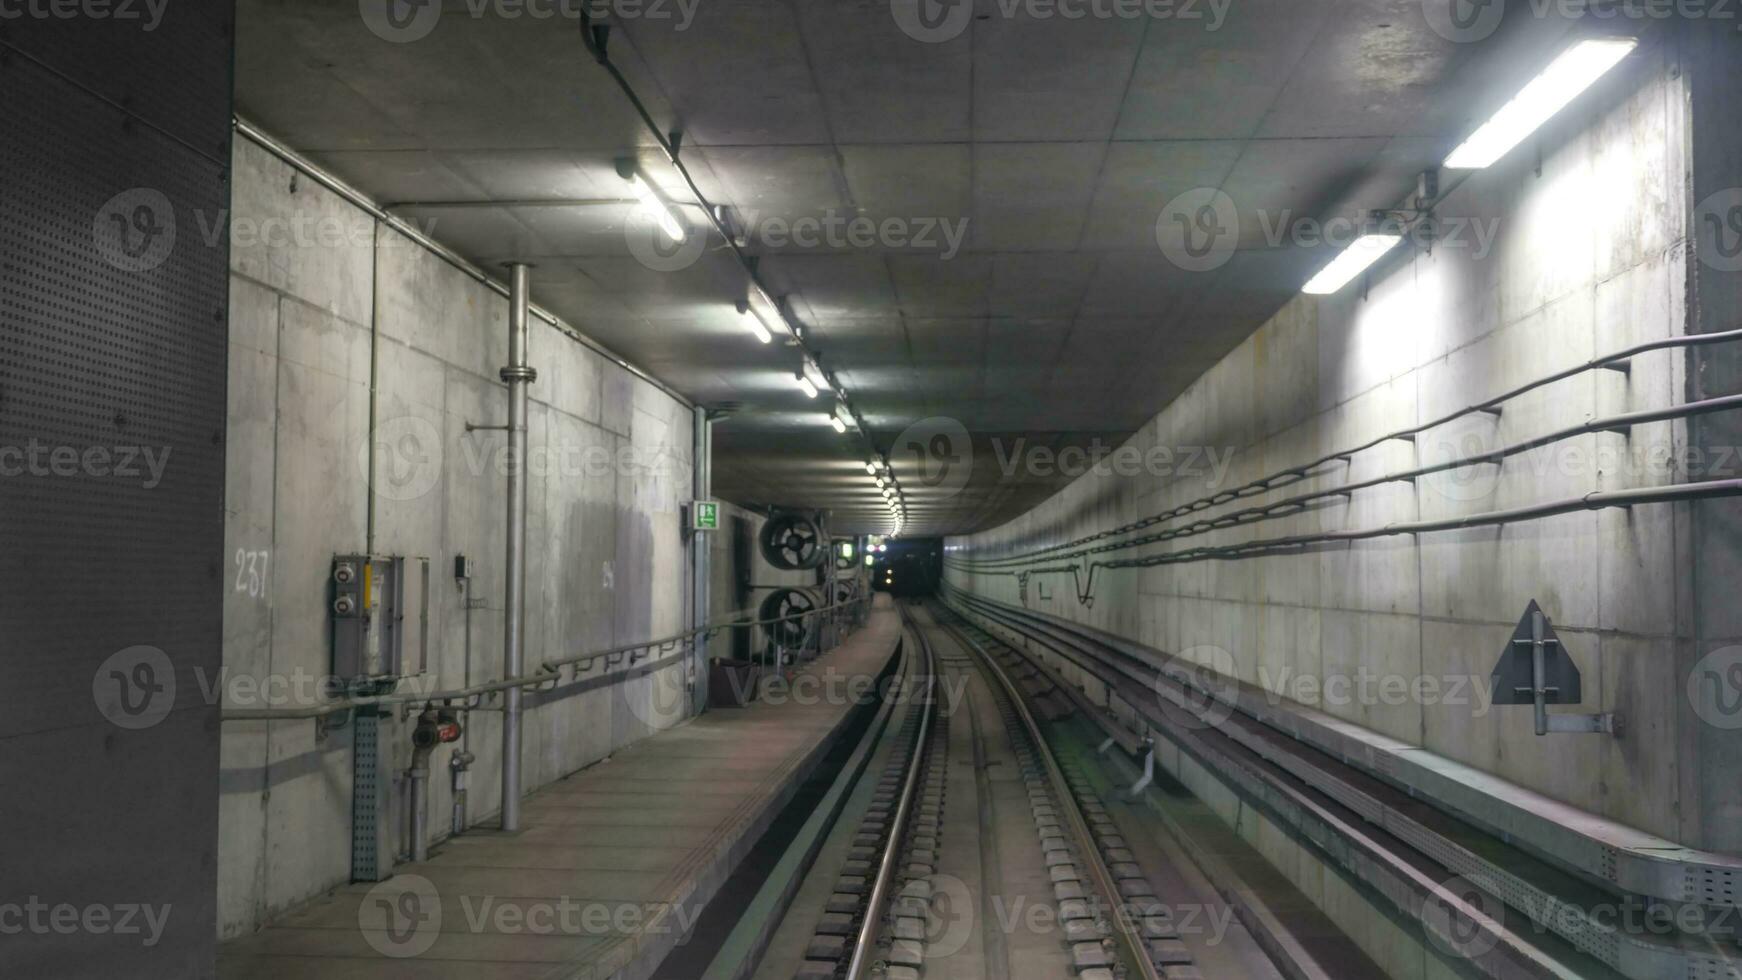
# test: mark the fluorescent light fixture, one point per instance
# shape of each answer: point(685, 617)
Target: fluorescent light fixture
point(1354, 261)
point(754, 322)
point(840, 426)
point(657, 208)
point(1548, 93)
point(804, 384)
point(871, 468)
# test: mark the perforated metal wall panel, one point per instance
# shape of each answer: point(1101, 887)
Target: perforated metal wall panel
point(113, 340)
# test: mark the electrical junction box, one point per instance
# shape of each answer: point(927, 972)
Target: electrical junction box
point(379, 610)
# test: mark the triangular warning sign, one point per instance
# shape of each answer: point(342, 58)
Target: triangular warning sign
point(1514, 677)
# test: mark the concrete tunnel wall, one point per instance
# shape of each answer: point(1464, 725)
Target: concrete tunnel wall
point(1591, 256)
point(606, 561)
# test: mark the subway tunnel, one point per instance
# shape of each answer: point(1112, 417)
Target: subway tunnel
point(969, 489)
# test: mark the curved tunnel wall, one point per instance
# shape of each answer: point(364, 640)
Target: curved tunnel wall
point(1589, 256)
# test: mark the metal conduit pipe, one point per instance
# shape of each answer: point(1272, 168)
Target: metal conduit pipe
point(517, 375)
point(1295, 504)
point(411, 232)
point(702, 464)
point(1084, 575)
point(463, 699)
point(1619, 360)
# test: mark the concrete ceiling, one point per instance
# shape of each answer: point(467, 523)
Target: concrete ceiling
point(1059, 319)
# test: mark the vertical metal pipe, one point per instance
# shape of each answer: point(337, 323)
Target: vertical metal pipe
point(703, 477)
point(420, 811)
point(517, 375)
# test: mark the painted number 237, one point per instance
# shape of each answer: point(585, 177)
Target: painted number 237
point(251, 572)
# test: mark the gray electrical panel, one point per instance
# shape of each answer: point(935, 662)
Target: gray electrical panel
point(379, 608)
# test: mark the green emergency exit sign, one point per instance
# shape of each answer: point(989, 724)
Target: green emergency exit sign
point(705, 515)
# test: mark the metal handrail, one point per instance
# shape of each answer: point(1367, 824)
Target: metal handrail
point(1617, 361)
point(548, 674)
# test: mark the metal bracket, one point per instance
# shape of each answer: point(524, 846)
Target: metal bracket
point(1545, 676)
point(1136, 789)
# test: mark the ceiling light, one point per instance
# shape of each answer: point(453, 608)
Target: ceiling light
point(754, 322)
point(1548, 93)
point(840, 426)
point(804, 384)
point(657, 208)
point(871, 468)
point(1354, 261)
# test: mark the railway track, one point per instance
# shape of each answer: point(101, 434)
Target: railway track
point(980, 854)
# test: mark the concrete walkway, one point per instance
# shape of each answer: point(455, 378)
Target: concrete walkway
point(612, 868)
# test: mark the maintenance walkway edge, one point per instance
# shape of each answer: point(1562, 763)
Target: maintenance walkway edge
point(612, 867)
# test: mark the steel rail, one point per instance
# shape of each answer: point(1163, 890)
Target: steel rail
point(1298, 752)
point(549, 674)
point(1613, 361)
point(1090, 854)
point(859, 967)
